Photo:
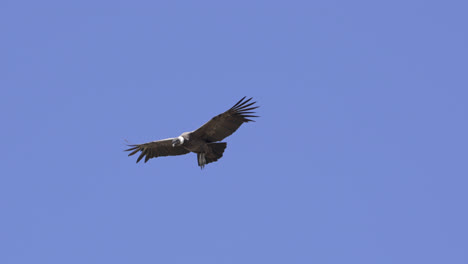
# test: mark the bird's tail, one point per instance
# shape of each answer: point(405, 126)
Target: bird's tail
point(216, 152)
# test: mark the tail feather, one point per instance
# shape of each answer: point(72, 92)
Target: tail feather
point(217, 150)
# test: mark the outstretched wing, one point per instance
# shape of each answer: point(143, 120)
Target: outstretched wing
point(223, 125)
point(156, 149)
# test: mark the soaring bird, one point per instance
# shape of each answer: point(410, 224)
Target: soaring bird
point(204, 140)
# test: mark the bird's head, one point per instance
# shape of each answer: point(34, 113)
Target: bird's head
point(178, 141)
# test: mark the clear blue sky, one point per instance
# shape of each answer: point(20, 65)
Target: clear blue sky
point(360, 154)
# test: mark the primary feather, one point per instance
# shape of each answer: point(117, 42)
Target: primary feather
point(223, 125)
point(200, 141)
point(155, 149)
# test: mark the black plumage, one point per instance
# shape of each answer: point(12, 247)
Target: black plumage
point(204, 140)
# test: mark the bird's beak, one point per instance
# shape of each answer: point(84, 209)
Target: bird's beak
point(175, 142)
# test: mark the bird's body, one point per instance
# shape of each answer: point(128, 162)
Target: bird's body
point(204, 140)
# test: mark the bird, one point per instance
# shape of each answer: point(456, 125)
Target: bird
point(204, 141)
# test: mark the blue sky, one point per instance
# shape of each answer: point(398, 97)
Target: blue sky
point(359, 156)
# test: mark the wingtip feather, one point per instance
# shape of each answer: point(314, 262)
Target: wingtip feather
point(239, 102)
point(141, 156)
